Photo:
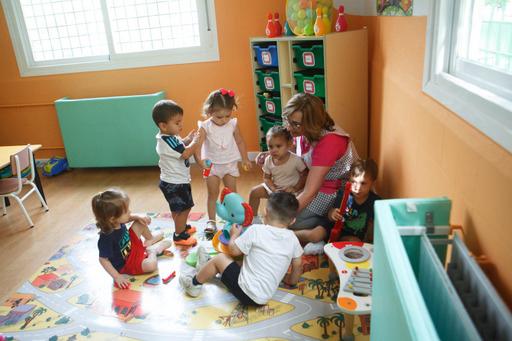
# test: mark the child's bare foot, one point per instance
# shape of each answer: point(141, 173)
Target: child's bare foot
point(160, 246)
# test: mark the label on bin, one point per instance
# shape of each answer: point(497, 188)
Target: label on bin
point(309, 86)
point(308, 59)
point(270, 106)
point(266, 58)
point(269, 83)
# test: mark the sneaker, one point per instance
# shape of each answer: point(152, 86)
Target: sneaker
point(314, 248)
point(202, 257)
point(211, 227)
point(182, 236)
point(191, 289)
point(190, 229)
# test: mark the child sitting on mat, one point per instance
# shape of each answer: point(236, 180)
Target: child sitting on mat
point(282, 169)
point(121, 249)
point(268, 251)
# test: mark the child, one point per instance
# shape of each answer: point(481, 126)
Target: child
point(268, 249)
point(121, 250)
point(358, 216)
point(174, 153)
point(282, 169)
point(223, 146)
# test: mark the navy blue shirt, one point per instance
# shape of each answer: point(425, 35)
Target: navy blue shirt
point(357, 217)
point(115, 246)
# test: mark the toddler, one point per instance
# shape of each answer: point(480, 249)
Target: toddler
point(268, 251)
point(174, 153)
point(282, 169)
point(223, 145)
point(121, 250)
point(358, 215)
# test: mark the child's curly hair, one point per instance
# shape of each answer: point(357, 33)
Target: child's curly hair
point(108, 205)
point(220, 99)
point(279, 131)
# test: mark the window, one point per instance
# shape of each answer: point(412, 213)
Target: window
point(62, 36)
point(468, 63)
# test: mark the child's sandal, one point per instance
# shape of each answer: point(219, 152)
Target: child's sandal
point(211, 227)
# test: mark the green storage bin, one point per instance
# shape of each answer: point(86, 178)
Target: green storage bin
point(268, 80)
point(270, 105)
point(311, 57)
point(268, 121)
point(310, 83)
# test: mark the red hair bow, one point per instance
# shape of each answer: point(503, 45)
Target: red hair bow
point(223, 91)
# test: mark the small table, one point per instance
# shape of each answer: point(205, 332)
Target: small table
point(353, 263)
point(5, 160)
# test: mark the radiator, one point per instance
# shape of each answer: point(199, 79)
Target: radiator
point(414, 297)
point(109, 131)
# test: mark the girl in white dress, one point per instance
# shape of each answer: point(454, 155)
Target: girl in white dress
point(223, 145)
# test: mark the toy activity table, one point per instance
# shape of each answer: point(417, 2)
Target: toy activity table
point(353, 263)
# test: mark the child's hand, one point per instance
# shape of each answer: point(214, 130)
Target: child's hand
point(191, 135)
point(144, 220)
point(122, 282)
point(246, 165)
point(234, 232)
point(334, 214)
point(260, 158)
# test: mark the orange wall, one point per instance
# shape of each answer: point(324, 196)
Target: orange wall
point(425, 150)
point(26, 104)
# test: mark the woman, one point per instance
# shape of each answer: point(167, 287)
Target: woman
point(328, 152)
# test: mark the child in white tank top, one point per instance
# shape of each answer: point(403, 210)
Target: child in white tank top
point(223, 145)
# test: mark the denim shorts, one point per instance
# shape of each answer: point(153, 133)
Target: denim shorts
point(179, 196)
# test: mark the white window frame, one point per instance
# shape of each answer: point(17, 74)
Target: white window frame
point(208, 51)
point(482, 108)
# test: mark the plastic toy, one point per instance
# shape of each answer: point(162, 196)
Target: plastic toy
point(206, 171)
point(55, 165)
point(300, 15)
point(326, 18)
point(319, 23)
point(233, 210)
point(277, 25)
point(169, 278)
point(287, 30)
point(338, 227)
point(270, 29)
point(341, 22)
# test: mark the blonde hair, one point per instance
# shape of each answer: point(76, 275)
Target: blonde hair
point(315, 120)
point(108, 205)
point(217, 101)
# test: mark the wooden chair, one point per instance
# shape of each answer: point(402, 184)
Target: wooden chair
point(12, 187)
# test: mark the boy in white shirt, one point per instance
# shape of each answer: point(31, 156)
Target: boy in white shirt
point(174, 153)
point(268, 251)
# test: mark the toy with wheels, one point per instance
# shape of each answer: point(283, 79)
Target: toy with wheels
point(55, 165)
point(301, 14)
point(233, 210)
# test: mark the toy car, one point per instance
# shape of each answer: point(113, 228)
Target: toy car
point(55, 165)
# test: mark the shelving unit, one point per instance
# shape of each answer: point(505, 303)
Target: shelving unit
point(333, 67)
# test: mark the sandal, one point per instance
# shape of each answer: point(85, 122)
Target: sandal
point(211, 227)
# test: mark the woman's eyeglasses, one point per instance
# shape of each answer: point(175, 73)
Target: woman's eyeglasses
point(293, 124)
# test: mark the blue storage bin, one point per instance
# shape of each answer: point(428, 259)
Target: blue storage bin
point(266, 56)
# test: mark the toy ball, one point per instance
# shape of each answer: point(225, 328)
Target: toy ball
point(301, 15)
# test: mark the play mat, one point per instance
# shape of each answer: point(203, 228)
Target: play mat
point(71, 297)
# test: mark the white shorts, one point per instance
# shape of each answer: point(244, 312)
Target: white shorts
point(223, 169)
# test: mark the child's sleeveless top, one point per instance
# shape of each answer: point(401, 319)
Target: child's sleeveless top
point(219, 145)
point(337, 176)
